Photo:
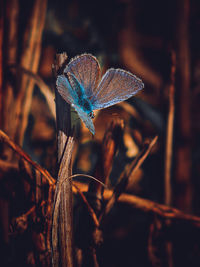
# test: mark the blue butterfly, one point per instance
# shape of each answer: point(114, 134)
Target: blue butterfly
point(81, 86)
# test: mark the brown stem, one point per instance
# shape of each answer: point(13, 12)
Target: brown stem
point(168, 154)
point(104, 166)
point(89, 208)
point(103, 169)
point(62, 228)
point(110, 143)
point(5, 139)
point(151, 207)
point(183, 140)
point(44, 88)
point(169, 135)
point(29, 60)
point(123, 180)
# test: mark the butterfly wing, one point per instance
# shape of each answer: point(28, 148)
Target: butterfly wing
point(65, 89)
point(85, 118)
point(71, 93)
point(76, 86)
point(87, 71)
point(116, 85)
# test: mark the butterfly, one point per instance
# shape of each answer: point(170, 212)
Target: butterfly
point(81, 86)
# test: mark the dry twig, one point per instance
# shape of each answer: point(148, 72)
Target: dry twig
point(90, 209)
point(29, 60)
point(110, 144)
point(151, 207)
point(169, 135)
point(62, 247)
point(123, 180)
point(5, 139)
point(44, 88)
point(183, 109)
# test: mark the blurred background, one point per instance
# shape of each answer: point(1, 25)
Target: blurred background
point(159, 42)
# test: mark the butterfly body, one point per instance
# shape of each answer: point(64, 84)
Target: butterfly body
point(81, 87)
point(81, 98)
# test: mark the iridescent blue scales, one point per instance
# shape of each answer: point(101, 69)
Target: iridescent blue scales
point(81, 86)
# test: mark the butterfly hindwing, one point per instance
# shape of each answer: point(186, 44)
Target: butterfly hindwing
point(85, 118)
point(65, 89)
point(73, 92)
point(116, 85)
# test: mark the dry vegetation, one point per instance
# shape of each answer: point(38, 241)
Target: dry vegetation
point(146, 150)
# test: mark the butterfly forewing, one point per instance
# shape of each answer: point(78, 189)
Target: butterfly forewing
point(87, 71)
point(76, 86)
point(116, 85)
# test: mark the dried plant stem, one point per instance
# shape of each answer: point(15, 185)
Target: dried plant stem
point(110, 143)
point(31, 210)
point(183, 141)
point(168, 152)
point(149, 206)
point(29, 60)
point(95, 190)
point(62, 228)
point(109, 147)
point(44, 88)
point(169, 135)
point(175, 216)
point(5, 139)
point(62, 214)
point(90, 209)
point(123, 180)
point(6, 167)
